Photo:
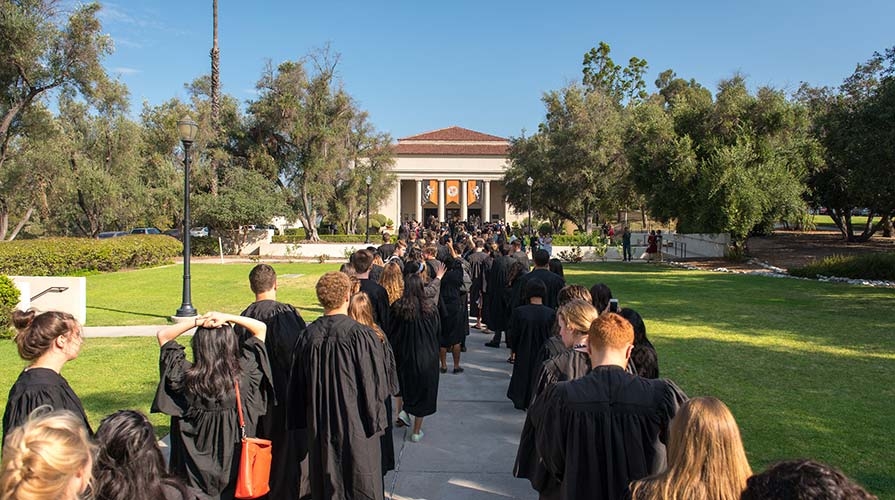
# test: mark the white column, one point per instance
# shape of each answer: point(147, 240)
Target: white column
point(398, 204)
point(463, 212)
point(486, 210)
point(419, 200)
point(441, 200)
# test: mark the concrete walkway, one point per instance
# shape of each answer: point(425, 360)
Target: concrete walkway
point(470, 443)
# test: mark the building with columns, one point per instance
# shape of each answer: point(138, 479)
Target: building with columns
point(452, 174)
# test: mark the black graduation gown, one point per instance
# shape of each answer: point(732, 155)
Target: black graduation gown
point(37, 387)
point(479, 265)
point(553, 346)
point(205, 438)
point(530, 325)
point(452, 309)
point(553, 281)
point(339, 384)
point(499, 294)
point(379, 300)
point(598, 433)
point(289, 464)
point(415, 342)
point(568, 365)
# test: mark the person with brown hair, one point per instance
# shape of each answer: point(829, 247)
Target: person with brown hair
point(608, 428)
point(392, 280)
point(803, 479)
point(289, 466)
point(47, 341)
point(337, 396)
point(362, 262)
point(49, 456)
point(706, 459)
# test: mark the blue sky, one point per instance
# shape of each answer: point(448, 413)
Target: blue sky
point(483, 65)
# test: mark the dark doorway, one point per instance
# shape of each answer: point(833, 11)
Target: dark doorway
point(429, 212)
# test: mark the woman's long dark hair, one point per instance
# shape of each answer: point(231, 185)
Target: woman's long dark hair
point(413, 302)
point(129, 463)
point(644, 355)
point(216, 362)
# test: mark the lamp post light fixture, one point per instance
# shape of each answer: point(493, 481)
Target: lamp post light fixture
point(188, 130)
point(529, 181)
point(368, 180)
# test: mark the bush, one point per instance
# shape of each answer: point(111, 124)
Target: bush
point(595, 238)
point(9, 297)
point(871, 266)
point(329, 238)
point(294, 231)
point(68, 256)
point(204, 246)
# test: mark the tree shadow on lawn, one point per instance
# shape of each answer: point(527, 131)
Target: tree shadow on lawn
point(793, 403)
point(100, 404)
point(132, 313)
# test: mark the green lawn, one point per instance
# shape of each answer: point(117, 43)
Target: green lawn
point(826, 222)
point(807, 368)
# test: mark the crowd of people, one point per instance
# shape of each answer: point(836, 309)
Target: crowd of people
point(600, 423)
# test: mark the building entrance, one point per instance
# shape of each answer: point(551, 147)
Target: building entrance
point(429, 212)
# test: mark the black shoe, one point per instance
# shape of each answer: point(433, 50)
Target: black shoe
point(444, 369)
point(459, 369)
point(462, 348)
point(491, 344)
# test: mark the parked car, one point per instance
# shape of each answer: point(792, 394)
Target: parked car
point(199, 232)
point(145, 230)
point(111, 234)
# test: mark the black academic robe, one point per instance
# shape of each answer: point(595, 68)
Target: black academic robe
point(379, 300)
point(479, 264)
point(499, 294)
point(553, 346)
point(530, 325)
point(553, 281)
point(339, 384)
point(205, 437)
point(415, 342)
point(289, 464)
point(598, 433)
point(452, 309)
point(36, 387)
point(568, 365)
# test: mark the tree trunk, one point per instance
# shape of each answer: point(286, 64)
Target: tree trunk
point(4, 220)
point(886, 226)
point(21, 224)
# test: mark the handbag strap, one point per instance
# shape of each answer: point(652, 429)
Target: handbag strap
point(242, 424)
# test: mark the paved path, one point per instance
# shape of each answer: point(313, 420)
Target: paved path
point(470, 443)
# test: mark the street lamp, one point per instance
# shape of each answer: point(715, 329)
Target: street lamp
point(188, 130)
point(529, 181)
point(368, 180)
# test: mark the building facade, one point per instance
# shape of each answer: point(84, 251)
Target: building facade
point(450, 174)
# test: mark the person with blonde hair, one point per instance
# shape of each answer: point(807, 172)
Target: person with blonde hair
point(574, 318)
point(608, 428)
point(47, 341)
point(706, 459)
point(48, 457)
point(392, 280)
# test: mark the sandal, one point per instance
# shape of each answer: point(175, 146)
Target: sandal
point(443, 369)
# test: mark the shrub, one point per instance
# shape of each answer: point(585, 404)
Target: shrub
point(573, 255)
point(67, 256)
point(871, 266)
point(595, 238)
point(9, 297)
point(294, 231)
point(204, 246)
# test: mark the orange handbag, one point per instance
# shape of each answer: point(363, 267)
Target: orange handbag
point(254, 462)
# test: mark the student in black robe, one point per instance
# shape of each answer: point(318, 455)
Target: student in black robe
point(530, 325)
point(362, 262)
point(452, 311)
point(598, 433)
point(361, 310)
point(289, 464)
point(574, 318)
point(339, 385)
point(479, 264)
point(200, 397)
point(414, 337)
point(47, 341)
point(554, 345)
point(499, 295)
point(552, 281)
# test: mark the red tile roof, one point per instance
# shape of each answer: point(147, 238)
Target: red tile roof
point(453, 134)
point(452, 149)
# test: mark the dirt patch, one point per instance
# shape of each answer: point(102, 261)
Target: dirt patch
point(786, 249)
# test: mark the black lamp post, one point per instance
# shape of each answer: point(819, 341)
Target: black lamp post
point(529, 181)
point(368, 180)
point(188, 130)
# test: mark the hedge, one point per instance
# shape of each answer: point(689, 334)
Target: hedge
point(871, 266)
point(66, 256)
point(375, 239)
point(585, 240)
point(9, 297)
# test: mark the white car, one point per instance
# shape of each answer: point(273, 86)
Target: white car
point(199, 232)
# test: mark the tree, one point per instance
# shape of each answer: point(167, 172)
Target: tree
point(601, 73)
point(578, 149)
point(41, 55)
point(854, 125)
point(734, 165)
point(302, 122)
